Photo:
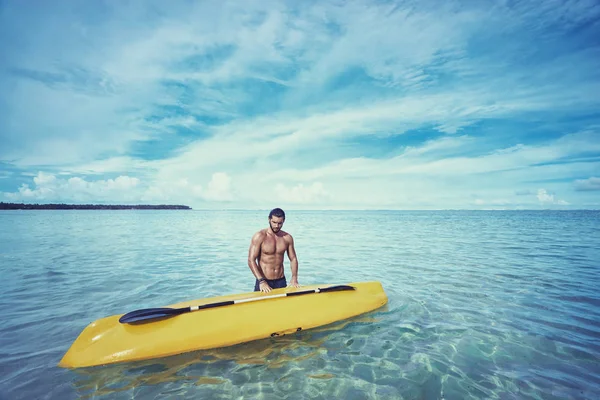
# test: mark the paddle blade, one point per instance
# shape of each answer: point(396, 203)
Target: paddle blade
point(148, 314)
point(336, 288)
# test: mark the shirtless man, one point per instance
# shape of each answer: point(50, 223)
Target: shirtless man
point(265, 256)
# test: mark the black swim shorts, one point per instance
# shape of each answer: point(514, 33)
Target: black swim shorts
point(274, 283)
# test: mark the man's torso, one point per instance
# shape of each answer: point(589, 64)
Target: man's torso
point(272, 252)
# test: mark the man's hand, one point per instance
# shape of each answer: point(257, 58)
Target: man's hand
point(264, 287)
point(294, 282)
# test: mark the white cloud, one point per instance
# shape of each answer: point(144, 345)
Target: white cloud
point(590, 184)
point(444, 157)
point(402, 46)
point(301, 194)
point(43, 179)
point(219, 187)
point(233, 144)
point(48, 187)
point(110, 165)
point(267, 40)
point(433, 175)
point(180, 191)
point(544, 197)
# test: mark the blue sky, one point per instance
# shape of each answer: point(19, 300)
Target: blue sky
point(303, 105)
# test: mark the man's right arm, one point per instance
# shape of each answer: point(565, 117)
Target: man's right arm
point(253, 254)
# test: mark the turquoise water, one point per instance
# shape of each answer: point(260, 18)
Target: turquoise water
point(482, 304)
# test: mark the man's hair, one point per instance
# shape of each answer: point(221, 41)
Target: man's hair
point(277, 212)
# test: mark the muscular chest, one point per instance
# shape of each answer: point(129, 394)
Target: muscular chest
point(273, 245)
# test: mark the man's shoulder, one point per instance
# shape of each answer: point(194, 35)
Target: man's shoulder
point(286, 235)
point(260, 234)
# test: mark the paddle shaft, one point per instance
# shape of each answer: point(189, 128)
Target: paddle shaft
point(155, 313)
point(230, 302)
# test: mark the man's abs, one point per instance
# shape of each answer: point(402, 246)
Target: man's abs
point(271, 265)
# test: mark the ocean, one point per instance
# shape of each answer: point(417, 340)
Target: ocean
point(482, 304)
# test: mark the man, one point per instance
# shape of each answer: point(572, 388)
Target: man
point(265, 256)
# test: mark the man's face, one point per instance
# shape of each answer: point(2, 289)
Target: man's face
point(276, 223)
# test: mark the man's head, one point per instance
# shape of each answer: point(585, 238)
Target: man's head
point(276, 219)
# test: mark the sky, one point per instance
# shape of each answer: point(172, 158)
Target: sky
point(301, 105)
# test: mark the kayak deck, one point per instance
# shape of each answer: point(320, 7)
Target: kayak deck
point(107, 341)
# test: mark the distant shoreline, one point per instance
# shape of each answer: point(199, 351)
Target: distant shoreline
point(60, 206)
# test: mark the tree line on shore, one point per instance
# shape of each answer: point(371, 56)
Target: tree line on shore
point(62, 206)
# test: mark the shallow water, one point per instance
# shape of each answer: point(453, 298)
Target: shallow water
point(482, 304)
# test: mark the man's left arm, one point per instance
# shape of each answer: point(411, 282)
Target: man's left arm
point(293, 262)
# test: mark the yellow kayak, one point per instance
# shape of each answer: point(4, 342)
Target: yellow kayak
point(218, 322)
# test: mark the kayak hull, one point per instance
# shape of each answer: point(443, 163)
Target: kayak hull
point(107, 341)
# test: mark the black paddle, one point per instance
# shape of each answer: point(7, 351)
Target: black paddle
point(148, 314)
